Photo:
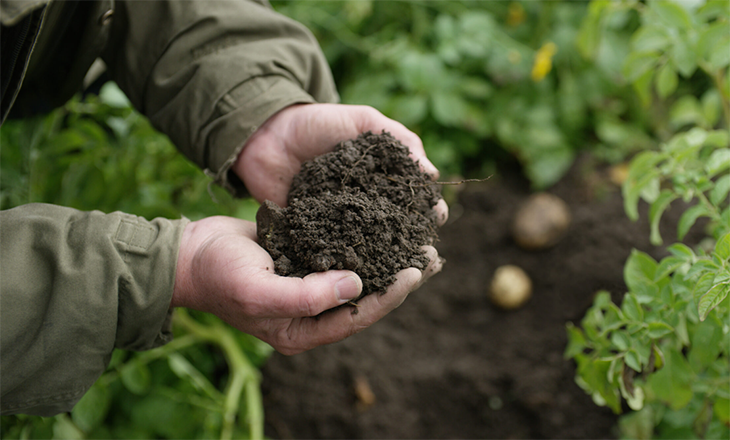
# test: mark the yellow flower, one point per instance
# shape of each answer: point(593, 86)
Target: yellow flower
point(515, 14)
point(543, 61)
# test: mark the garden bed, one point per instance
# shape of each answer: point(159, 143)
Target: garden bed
point(449, 364)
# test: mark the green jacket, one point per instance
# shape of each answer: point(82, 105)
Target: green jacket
point(75, 285)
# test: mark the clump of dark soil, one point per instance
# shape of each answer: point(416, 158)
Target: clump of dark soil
point(365, 207)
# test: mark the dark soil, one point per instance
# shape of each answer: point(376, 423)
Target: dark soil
point(364, 207)
point(449, 364)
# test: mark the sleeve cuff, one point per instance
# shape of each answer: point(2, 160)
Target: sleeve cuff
point(144, 316)
point(243, 110)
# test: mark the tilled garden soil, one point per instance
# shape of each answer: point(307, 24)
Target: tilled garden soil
point(449, 364)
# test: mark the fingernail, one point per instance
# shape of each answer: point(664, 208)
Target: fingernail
point(347, 289)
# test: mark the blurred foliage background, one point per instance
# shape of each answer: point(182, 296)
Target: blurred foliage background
point(482, 82)
point(479, 81)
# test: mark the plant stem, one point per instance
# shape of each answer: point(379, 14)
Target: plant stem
point(713, 210)
point(717, 79)
point(244, 375)
point(149, 356)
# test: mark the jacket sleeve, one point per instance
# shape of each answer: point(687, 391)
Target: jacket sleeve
point(75, 285)
point(208, 73)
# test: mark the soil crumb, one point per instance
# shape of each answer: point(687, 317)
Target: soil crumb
point(365, 207)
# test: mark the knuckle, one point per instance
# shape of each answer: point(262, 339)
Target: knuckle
point(307, 302)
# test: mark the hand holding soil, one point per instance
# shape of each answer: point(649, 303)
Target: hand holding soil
point(223, 270)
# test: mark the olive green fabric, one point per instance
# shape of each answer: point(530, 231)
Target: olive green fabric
point(75, 285)
point(209, 73)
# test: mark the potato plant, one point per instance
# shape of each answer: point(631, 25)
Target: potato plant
point(664, 349)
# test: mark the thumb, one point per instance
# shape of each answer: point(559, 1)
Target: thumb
point(292, 297)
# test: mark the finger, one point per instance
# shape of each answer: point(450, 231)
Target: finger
point(435, 265)
point(442, 212)
point(307, 333)
point(274, 296)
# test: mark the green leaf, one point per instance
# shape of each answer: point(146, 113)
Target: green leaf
point(639, 272)
point(638, 64)
point(620, 340)
point(713, 9)
point(658, 357)
point(706, 346)
point(632, 360)
point(712, 298)
point(637, 424)
point(631, 308)
point(642, 86)
point(409, 109)
point(717, 138)
point(650, 191)
point(667, 266)
point(681, 250)
point(683, 56)
point(448, 108)
point(700, 267)
point(659, 329)
point(671, 14)
point(655, 213)
point(92, 408)
point(642, 172)
point(666, 80)
point(719, 193)
point(136, 377)
point(722, 247)
point(718, 161)
point(710, 37)
point(720, 54)
point(722, 409)
point(110, 94)
point(673, 383)
point(589, 34)
point(65, 429)
point(650, 38)
point(689, 217)
point(712, 108)
point(548, 167)
point(703, 285)
point(686, 110)
point(594, 375)
point(576, 341)
point(421, 72)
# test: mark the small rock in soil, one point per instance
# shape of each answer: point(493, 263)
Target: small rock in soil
point(365, 207)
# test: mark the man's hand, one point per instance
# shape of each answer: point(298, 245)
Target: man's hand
point(223, 271)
